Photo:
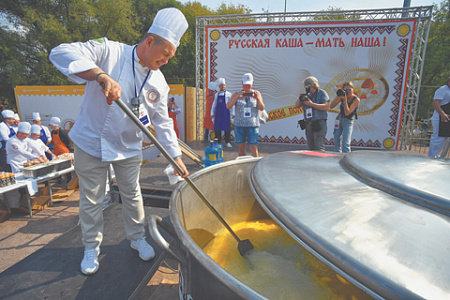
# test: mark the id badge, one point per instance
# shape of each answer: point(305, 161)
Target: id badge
point(336, 124)
point(309, 113)
point(247, 112)
point(143, 114)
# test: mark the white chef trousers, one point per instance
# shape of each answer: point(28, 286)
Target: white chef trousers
point(92, 173)
point(436, 141)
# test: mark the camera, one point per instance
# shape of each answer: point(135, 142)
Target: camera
point(305, 97)
point(342, 92)
point(250, 94)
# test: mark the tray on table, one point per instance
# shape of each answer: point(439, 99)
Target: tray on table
point(47, 168)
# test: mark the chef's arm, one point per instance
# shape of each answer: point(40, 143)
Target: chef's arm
point(111, 90)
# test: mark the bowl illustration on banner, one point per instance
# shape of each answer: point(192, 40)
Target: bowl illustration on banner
point(370, 87)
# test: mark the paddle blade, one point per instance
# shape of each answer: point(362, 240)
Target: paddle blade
point(244, 247)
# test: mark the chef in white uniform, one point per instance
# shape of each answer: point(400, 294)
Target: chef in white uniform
point(6, 132)
point(37, 146)
point(18, 150)
point(16, 121)
point(104, 135)
point(46, 136)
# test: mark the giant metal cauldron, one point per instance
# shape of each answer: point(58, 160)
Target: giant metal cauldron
point(379, 219)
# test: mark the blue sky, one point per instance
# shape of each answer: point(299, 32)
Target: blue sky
point(273, 6)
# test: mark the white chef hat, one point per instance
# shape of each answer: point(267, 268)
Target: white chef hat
point(36, 129)
point(8, 114)
point(212, 85)
point(16, 117)
point(170, 24)
point(24, 127)
point(247, 79)
point(221, 81)
point(55, 121)
point(36, 116)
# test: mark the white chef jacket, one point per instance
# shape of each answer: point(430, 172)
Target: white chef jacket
point(443, 94)
point(18, 152)
point(37, 146)
point(103, 130)
point(4, 132)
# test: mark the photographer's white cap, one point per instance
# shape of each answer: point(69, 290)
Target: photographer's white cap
point(247, 79)
point(35, 129)
point(36, 116)
point(8, 114)
point(24, 127)
point(170, 24)
point(55, 121)
point(221, 81)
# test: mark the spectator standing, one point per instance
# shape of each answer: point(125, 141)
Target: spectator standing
point(104, 137)
point(221, 114)
point(61, 141)
point(248, 103)
point(343, 126)
point(174, 110)
point(441, 98)
point(207, 122)
point(6, 132)
point(315, 105)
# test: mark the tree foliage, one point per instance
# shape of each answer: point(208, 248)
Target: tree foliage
point(31, 28)
point(437, 63)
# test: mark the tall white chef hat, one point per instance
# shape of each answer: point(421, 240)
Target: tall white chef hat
point(8, 114)
point(221, 81)
point(24, 127)
point(212, 85)
point(170, 24)
point(55, 121)
point(247, 79)
point(16, 117)
point(35, 129)
point(36, 116)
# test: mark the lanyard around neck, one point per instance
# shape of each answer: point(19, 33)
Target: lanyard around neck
point(134, 76)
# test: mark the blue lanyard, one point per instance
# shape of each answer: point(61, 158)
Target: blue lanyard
point(134, 76)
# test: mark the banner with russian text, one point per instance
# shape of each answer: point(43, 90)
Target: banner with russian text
point(373, 55)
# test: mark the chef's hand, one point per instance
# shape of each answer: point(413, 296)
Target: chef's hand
point(180, 162)
point(110, 87)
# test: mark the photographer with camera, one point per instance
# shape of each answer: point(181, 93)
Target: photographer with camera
point(343, 126)
point(315, 103)
point(246, 122)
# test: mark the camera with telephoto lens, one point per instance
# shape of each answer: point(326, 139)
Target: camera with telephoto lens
point(306, 96)
point(342, 92)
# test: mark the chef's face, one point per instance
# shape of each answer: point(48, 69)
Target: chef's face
point(9, 121)
point(157, 52)
point(35, 136)
point(38, 122)
point(21, 135)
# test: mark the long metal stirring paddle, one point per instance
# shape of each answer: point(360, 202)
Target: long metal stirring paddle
point(244, 246)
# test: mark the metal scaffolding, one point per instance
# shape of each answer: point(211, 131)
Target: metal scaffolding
point(421, 14)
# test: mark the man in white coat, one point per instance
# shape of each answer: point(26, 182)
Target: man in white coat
point(6, 132)
point(102, 133)
point(18, 148)
point(45, 135)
